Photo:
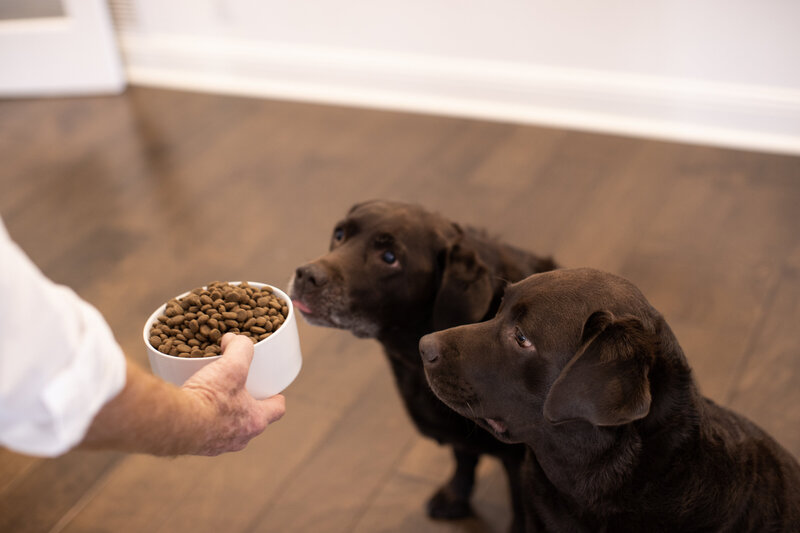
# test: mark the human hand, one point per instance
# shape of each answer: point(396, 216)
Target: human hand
point(230, 415)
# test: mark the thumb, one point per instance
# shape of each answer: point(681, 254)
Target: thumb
point(237, 351)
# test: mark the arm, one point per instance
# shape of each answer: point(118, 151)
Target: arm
point(57, 381)
point(210, 414)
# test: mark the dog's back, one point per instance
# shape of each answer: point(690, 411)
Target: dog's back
point(749, 480)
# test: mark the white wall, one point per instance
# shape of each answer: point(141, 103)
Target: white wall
point(73, 54)
point(713, 71)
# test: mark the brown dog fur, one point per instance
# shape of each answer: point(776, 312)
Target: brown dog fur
point(395, 272)
point(579, 367)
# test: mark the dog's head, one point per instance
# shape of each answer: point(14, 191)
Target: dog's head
point(565, 345)
point(393, 265)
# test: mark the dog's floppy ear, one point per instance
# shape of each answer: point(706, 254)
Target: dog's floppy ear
point(466, 289)
point(606, 381)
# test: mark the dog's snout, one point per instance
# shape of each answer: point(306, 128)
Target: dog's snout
point(430, 349)
point(311, 273)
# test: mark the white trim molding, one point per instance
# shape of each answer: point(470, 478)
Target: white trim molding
point(704, 112)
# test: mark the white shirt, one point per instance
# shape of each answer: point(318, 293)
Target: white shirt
point(59, 361)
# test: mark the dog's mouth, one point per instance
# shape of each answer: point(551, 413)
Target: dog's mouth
point(498, 426)
point(305, 309)
point(323, 313)
point(317, 313)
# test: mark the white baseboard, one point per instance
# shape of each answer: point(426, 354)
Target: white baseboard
point(721, 114)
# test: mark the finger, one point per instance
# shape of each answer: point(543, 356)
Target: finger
point(228, 337)
point(273, 408)
point(237, 350)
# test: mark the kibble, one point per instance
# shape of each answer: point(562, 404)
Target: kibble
point(192, 326)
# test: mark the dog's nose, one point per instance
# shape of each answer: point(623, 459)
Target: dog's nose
point(429, 349)
point(311, 273)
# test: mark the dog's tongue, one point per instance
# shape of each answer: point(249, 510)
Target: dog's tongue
point(301, 306)
point(498, 426)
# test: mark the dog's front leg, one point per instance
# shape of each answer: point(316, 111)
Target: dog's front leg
point(451, 501)
point(513, 468)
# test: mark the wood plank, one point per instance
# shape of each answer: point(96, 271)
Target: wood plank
point(711, 255)
point(766, 390)
point(49, 490)
point(206, 494)
point(400, 504)
point(14, 466)
point(541, 217)
point(135, 198)
point(336, 483)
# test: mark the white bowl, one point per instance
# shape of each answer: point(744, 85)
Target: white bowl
point(276, 359)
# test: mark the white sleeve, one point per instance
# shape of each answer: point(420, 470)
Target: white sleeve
point(59, 361)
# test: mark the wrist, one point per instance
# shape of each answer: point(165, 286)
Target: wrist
point(151, 416)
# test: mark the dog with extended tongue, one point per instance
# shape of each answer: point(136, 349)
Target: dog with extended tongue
point(581, 369)
point(395, 272)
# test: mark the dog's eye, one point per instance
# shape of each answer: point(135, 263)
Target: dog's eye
point(521, 339)
point(338, 234)
point(389, 257)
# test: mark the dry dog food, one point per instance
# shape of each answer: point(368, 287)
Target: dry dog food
point(193, 325)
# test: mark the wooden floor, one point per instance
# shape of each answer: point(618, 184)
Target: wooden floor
point(133, 199)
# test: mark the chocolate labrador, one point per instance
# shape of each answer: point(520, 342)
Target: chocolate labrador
point(395, 272)
point(579, 367)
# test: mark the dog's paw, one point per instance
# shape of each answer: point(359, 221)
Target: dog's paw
point(446, 506)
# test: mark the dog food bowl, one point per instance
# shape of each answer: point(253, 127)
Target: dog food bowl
point(276, 359)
